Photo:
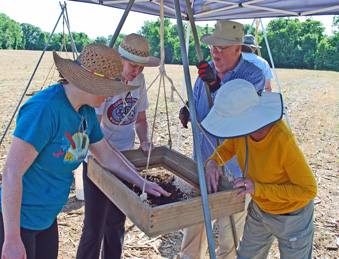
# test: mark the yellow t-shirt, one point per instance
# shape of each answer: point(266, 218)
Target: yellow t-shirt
point(283, 180)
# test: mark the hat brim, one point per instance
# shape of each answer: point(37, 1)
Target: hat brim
point(85, 80)
point(252, 46)
point(246, 48)
point(152, 61)
point(209, 39)
point(269, 111)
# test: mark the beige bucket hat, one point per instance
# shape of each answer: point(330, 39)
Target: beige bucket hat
point(135, 48)
point(97, 70)
point(226, 33)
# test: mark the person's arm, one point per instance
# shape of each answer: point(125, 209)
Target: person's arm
point(302, 185)
point(221, 155)
point(268, 87)
point(110, 160)
point(20, 157)
point(141, 128)
point(117, 152)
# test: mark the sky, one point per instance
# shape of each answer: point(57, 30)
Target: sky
point(94, 20)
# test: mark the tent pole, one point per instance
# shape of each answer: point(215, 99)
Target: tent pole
point(198, 48)
point(197, 45)
point(275, 72)
point(121, 23)
point(74, 48)
point(188, 30)
point(249, 30)
point(197, 148)
point(69, 31)
point(30, 80)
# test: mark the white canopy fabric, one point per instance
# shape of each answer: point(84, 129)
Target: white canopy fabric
point(211, 10)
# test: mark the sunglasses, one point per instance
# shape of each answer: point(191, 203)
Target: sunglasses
point(218, 49)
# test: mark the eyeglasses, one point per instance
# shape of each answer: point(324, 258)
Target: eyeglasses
point(218, 49)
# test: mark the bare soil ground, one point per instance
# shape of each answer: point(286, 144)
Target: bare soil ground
point(312, 101)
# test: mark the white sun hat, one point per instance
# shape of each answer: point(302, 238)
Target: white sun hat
point(239, 111)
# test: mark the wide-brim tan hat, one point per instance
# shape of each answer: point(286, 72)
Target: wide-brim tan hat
point(97, 70)
point(239, 111)
point(135, 48)
point(226, 33)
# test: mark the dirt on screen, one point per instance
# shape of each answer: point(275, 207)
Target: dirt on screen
point(164, 180)
point(312, 102)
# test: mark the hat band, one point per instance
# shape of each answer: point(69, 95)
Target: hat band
point(95, 73)
point(132, 57)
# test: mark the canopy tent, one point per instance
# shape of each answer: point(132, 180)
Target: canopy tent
point(201, 10)
point(211, 10)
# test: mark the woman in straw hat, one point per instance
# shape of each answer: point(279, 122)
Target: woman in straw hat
point(54, 130)
point(120, 116)
point(275, 171)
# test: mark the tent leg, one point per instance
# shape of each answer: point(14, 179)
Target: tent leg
point(30, 80)
point(198, 48)
point(200, 166)
point(69, 30)
point(183, 83)
point(249, 30)
point(195, 34)
point(121, 23)
point(275, 72)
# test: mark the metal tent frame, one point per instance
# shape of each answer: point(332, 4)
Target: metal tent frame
point(63, 14)
point(202, 10)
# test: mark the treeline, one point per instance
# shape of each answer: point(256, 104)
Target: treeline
point(293, 44)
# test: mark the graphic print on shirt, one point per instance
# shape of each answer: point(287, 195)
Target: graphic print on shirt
point(117, 111)
point(77, 150)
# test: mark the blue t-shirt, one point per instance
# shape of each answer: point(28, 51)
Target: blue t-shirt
point(243, 70)
point(61, 135)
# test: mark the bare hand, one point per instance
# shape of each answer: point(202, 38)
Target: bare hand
point(146, 146)
point(244, 182)
point(14, 249)
point(184, 115)
point(212, 176)
point(156, 190)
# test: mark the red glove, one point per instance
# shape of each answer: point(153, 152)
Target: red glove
point(207, 75)
point(184, 115)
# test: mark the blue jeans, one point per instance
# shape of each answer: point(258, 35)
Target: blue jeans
point(39, 244)
point(103, 222)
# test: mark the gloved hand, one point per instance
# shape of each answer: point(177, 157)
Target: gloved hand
point(184, 115)
point(207, 75)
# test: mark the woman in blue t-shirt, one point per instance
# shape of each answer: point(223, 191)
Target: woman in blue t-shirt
point(54, 131)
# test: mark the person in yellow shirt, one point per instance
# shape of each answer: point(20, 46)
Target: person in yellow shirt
point(275, 171)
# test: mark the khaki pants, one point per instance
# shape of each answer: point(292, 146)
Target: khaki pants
point(293, 230)
point(194, 244)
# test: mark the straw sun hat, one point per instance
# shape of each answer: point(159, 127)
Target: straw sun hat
point(97, 70)
point(239, 111)
point(135, 48)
